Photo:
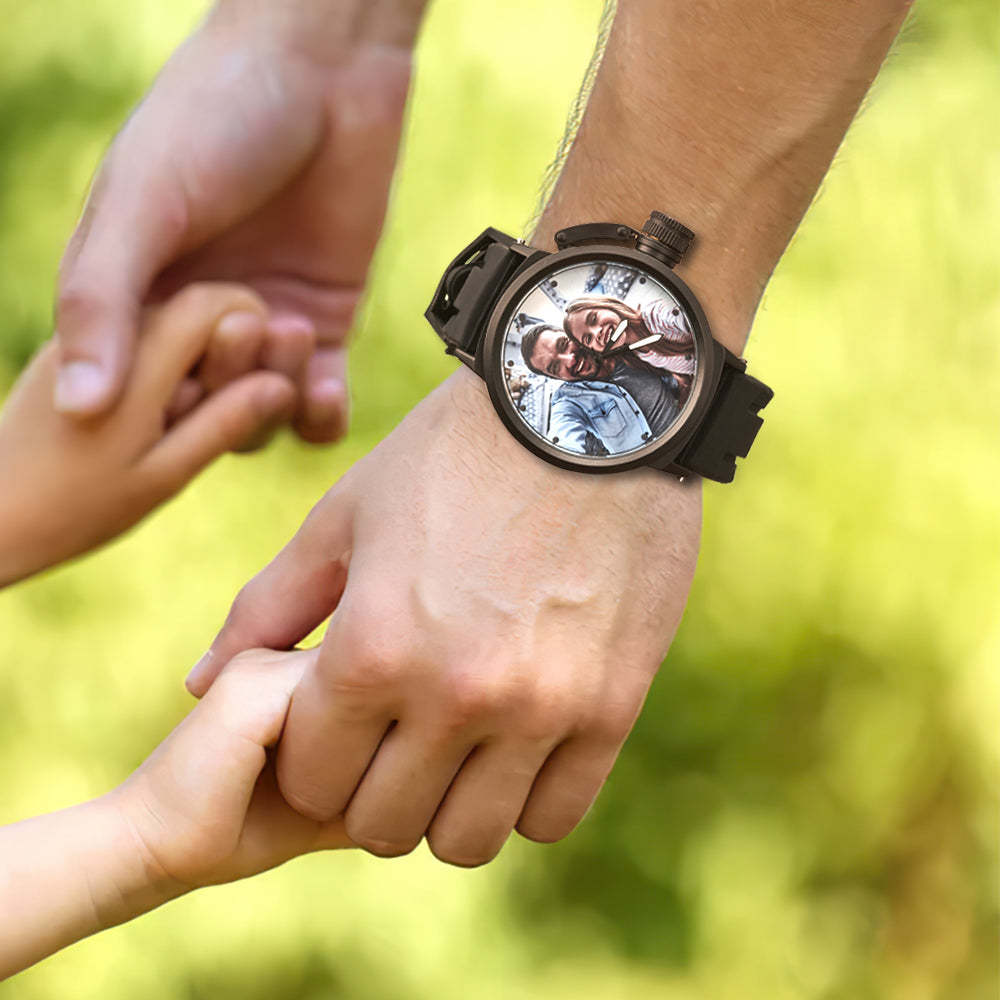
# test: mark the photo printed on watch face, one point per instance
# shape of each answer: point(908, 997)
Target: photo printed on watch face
point(599, 359)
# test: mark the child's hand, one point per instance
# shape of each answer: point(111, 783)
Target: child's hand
point(69, 485)
point(205, 807)
point(242, 343)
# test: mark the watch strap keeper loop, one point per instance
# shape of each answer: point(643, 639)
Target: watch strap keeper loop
point(729, 428)
point(471, 285)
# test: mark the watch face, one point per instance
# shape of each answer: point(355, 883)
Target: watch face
point(599, 359)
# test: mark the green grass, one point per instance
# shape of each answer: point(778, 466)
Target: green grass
point(805, 809)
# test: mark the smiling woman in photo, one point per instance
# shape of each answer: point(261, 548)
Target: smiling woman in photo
point(600, 323)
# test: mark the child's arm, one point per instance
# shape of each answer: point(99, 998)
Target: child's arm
point(203, 809)
point(67, 486)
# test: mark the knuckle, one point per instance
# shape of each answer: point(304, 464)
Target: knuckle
point(517, 692)
point(362, 664)
point(337, 497)
point(243, 607)
point(172, 212)
point(611, 723)
point(79, 304)
point(552, 710)
point(540, 727)
point(538, 710)
point(471, 698)
point(361, 652)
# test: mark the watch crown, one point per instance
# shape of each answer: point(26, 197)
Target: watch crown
point(674, 237)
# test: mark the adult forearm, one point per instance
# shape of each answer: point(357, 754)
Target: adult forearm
point(67, 875)
point(726, 114)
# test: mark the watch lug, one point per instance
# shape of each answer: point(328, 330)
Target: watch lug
point(533, 255)
point(595, 232)
point(467, 359)
point(733, 360)
point(677, 471)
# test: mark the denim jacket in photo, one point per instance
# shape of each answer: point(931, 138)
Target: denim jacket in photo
point(596, 418)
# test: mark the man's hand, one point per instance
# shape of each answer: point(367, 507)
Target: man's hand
point(263, 153)
point(497, 623)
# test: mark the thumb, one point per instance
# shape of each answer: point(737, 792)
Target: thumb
point(229, 418)
point(251, 698)
point(208, 766)
point(291, 596)
point(131, 229)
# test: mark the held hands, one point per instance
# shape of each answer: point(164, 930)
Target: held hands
point(205, 807)
point(71, 485)
point(491, 644)
point(263, 154)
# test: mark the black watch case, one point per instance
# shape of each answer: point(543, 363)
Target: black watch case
point(582, 245)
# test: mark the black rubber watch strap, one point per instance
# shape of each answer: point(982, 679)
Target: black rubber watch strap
point(471, 285)
point(730, 426)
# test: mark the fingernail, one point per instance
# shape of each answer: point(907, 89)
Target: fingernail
point(198, 673)
point(327, 390)
point(240, 323)
point(80, 387)
point(291, 324)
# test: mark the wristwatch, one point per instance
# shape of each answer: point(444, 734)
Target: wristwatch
point(597, 357)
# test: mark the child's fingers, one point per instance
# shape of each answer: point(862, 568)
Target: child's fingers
point(174, 335)
point(222, 422)
point(251, 696)
point(287, 346)
point(185, 398)
point(233, 350)
point(203, 775)
point(324, 412)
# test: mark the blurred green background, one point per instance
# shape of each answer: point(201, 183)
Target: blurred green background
point(807, 806)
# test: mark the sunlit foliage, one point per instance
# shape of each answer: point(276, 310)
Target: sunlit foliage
point(806, 808)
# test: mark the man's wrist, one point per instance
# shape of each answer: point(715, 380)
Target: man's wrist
point(467, 414)
point(730, 128)
point(738, 240)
